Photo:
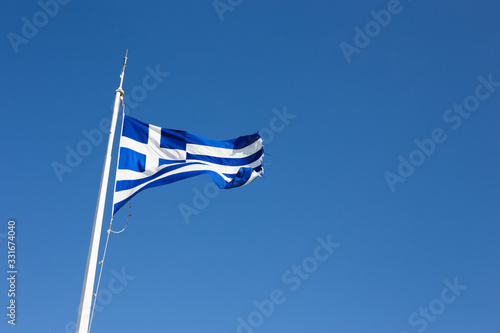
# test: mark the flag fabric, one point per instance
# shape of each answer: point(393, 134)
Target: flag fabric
point(151, 156)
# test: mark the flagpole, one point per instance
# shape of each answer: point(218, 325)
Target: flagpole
point(88, 282)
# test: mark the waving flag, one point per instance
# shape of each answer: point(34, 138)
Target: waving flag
point(152, 156)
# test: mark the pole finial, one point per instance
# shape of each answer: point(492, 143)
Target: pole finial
point(123, 69)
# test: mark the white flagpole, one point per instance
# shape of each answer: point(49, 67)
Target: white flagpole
point(88, 282)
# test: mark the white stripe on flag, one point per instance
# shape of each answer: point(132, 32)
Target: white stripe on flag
point(224, 152)
point(124, 174)
point(121, 195)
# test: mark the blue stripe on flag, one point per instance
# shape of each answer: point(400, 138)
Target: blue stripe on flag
point(232, 175)
point(163, 161)
point(240, 179)
point(159, 182)
point(258, 169)
point(122, 185)
point(237, 143)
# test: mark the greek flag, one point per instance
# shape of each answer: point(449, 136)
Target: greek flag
point(151, 156)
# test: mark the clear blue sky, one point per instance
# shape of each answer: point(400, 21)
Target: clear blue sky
point(381, 139)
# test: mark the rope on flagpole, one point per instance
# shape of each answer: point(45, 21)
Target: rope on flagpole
point(102, 261)
point(128, 216)
point(109, 231)
point(129, 204)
